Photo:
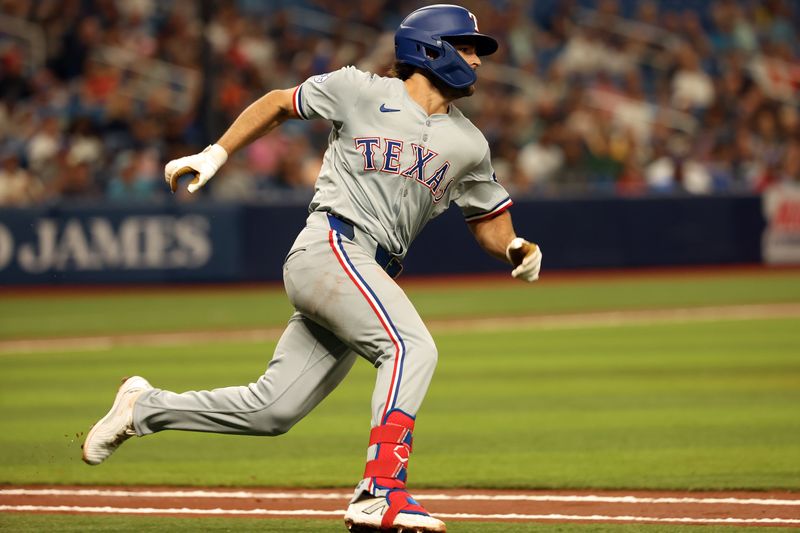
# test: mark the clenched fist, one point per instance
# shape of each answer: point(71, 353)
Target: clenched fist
point(526, 258)
point(203, 165)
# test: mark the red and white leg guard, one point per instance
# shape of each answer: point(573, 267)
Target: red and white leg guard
point(389, 469)
point(388, 472)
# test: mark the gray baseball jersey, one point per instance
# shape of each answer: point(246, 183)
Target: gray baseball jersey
point(389, 167)
point(388, 170)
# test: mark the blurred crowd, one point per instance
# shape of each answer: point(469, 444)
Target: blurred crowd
point(605, 97)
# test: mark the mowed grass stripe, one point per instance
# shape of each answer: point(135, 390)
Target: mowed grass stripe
point(671, 406)
point(510, 323)
point(248, 308)
point(151, 524)
point(736, 498)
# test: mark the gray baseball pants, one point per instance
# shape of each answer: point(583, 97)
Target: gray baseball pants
point(346, 306)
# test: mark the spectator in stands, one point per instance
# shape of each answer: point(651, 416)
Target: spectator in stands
point(136, 177)
point(790, 170)
point(771, 145)
point(692, 88)
point(14, 85)
point(18, 187)
point(74, 181)
point(677, 170)
point(44, 147)
point(723, 62)
point(300, 167)
point(631, 180)
point(235, 181)
point(541, 160)
point(265, 156)
point(84, 145)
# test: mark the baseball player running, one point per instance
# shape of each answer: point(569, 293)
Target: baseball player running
point(399, 154)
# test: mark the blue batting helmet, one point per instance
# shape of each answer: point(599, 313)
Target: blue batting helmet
point(421, 40)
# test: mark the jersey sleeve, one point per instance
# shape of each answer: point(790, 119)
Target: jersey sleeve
point(330, 96)
point(480, 196)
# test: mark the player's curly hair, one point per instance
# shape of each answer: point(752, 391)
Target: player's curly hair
point(401, 71)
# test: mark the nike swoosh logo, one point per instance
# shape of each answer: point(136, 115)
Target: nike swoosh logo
point(385, 109)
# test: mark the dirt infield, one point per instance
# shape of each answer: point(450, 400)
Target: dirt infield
point(720, 508)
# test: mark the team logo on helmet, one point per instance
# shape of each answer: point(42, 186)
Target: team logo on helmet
point(474, 20)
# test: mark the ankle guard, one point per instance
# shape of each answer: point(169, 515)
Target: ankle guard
point(389, 469)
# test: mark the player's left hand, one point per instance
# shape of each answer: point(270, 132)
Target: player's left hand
point(526, 258)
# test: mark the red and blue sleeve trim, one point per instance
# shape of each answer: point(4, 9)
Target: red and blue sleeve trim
point(493, 212)
point(297, 102)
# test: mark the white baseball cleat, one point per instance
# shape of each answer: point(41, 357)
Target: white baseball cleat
point(117, 426)
point(367, 516)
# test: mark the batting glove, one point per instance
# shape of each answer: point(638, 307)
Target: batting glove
point(203, 166)
point(526, 258)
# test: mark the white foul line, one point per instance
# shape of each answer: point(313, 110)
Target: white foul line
point(179, 494)
point(424, 497)
point(176, 510)
point(569, 517)
point(315, 512)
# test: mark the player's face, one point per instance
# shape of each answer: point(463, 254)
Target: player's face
point(467, 52)
point(465, 47)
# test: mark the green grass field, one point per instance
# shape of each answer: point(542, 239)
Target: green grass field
point(150, 311)
point(695, 405)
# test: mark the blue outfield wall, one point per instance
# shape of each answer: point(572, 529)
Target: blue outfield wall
point(207, 242)
point(121, 244)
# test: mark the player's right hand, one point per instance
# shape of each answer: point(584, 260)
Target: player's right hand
point(526, 258)
point(203, 166)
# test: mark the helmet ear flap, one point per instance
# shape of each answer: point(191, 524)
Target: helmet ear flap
point(450, 67)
